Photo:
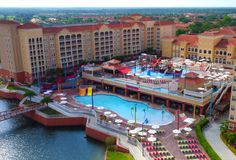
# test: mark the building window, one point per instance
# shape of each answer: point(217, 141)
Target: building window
point(209, 52)
point(200, 51)
point(232, 108)
point(231, 117)
point(205, 51)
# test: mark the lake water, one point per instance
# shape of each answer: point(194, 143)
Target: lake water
point(24, 139)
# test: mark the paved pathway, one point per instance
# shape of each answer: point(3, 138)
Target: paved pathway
point(212, 134)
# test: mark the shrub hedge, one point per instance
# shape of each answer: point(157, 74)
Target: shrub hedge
point(201, 138)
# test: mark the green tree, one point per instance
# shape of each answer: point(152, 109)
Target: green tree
point(184, 20)
point(46, 100)
point(224, 126)
point(149, 51)
point(29, 94)
point(181, 31)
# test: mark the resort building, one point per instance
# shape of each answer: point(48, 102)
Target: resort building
point(232, 111)
point(217, 45)
point(28, 50)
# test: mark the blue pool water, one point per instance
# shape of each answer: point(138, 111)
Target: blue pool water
point(124, 108)
point(137, 69)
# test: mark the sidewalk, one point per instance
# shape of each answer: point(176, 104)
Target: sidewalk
point(212, 134)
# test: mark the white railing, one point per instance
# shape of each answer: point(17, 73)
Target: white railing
point(111, 126)
point(198, 94)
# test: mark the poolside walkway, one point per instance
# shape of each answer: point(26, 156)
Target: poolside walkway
point(212, 134)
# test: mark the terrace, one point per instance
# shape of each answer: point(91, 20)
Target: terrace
point(168, 79)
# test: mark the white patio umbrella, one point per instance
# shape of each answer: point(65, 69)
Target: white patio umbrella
point(63, 98)
point(49, 91)
point(130, 121)
point(152, 131)
point(112, 115)
point(107, 113)
point(63, 102)
point(133, 131)
point(227, 72)
point(176, 131)
point(188, 129)
point(100, 108)
point(155, 126)
point(152, 139)
point(138, 129)
point(88, 105)
point(118, 120)
point(201, 89)
point(60, 94)
point(142, 133)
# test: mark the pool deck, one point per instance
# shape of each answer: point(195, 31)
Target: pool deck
point(168, 139)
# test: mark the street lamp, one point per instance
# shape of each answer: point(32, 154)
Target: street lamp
point(145, 121)
point(92, 99)
point(135, 111)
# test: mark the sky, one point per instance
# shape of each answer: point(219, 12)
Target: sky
point(117, 3)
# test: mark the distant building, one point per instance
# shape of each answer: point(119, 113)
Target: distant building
point(232, 111)
point(217, 45)
point(28, 50)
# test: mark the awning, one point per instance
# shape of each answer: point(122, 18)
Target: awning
point(124, 70)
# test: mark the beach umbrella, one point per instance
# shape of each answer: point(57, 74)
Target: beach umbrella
point(152, 131)
point(63, 102)
point(112, 115)
point(100, 108)
point(142, 133)
point(88, 105)
point(138, 129)
point(152, 139)
point(63, 98)
point(118, 120)
point(130, 121)
point(201, 89)
point(188, 129)
point(155, 126)
point(133, 131)
point(176, 131)
point(107, 113)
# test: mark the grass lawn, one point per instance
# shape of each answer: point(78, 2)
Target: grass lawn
point(50, 112)
point(28, 102)
point(17, 88)
point(111, 155)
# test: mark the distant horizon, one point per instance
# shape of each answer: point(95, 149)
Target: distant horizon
point(113, 7)
point(118, 4)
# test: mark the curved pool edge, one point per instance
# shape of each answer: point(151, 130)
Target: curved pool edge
point(125, 99)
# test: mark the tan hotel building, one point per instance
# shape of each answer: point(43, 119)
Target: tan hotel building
point(216, 46)
point(29, 49)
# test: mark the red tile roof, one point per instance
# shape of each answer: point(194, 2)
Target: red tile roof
point(191, 81)
point(219, 32)
point(8, 22)
point(191, 75)
point(146, 19)
point(29, 25)
point(164, 23)
point(126, 18)
point(89, 27)
point(190, 39)
point(226, 42)
point(222, 43)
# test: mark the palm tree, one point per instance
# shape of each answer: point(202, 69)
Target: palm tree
point(224, 126)
point(46, 100)
point(29, 94)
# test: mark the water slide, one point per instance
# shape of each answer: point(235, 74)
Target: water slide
point(82, 92)
point(90, 90)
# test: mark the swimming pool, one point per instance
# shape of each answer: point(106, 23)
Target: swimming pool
point(154, 74)
point(124, 107)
